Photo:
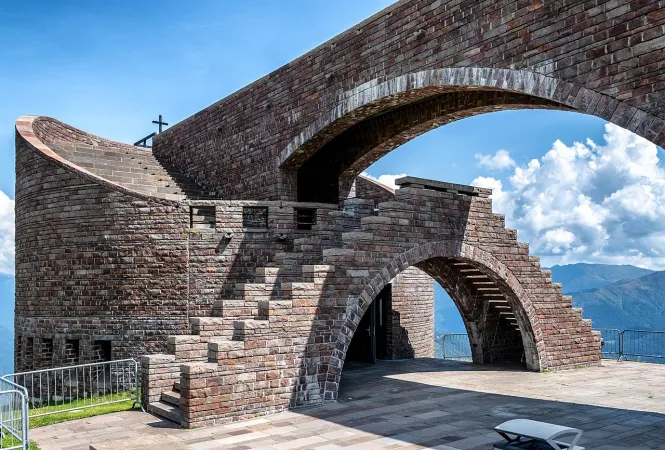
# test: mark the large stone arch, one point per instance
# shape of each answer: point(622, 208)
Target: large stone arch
point(452, 250)
point(376, 117)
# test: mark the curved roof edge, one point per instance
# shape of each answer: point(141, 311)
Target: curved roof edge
point(377, 183)
point(25, 127)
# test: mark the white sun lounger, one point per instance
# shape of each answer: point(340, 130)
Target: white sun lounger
point(529, 434)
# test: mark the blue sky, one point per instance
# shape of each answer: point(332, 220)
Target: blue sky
point(112, 67)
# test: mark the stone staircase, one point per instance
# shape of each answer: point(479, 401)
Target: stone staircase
point(133, 167)
point(260, 309)
point(256, 339)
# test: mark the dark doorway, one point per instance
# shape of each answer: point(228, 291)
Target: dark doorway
point(370, 341)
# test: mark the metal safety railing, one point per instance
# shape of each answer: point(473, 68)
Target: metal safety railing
point(643, 345)
point(456, 347)
point(636, 345)
point(63, 389)
point(14, 421)
point(610, 339)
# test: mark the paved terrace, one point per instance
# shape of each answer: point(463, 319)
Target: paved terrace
point(425, 403)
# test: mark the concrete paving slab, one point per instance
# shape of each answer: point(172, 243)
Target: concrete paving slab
point(416, 404)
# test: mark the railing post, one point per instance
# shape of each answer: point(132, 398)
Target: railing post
point(26, 422)
point(137, 400)
point(621, 355)
point(443, 344)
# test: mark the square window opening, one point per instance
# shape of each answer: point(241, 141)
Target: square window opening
point(255, 217)
point(305, 218)
point(202, 217)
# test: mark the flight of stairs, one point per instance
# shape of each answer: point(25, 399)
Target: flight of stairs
point(258, 309)
point(135, 168)
point(282, 301)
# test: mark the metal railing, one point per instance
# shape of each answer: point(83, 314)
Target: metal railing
point(62, 389)
point(144, 142)
point(610, 342)
point(456, 347)
point(636, 345)
point(643, 345)
point(14, 422)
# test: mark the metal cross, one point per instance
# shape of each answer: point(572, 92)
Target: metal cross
point(160, 123)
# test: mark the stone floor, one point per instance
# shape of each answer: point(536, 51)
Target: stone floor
point(425, 403)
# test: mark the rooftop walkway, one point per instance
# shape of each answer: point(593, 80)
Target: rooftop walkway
point(424, 403)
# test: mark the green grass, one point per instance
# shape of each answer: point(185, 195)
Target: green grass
point(125, 402)
point(7, 443)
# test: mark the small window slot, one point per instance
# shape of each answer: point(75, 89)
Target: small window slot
point(305, 218)
point(202, 217)
point(255, 217)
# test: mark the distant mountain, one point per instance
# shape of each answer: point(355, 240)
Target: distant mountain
point(7, 301)
point(6, 323)
point(575, 278)
point(633, 304)
point(584, 277)
point(6, 350)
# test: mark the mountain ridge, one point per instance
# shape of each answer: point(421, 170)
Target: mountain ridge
point(627, 304)
point(581, 277)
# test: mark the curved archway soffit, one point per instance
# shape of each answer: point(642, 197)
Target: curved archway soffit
point(373, 97)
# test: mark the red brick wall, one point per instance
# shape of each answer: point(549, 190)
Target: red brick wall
point(412, 324)
point(93, 262)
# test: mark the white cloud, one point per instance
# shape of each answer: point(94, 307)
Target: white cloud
point(388, 180)
point(589, 202)
point(6, 234)
point(501, 202)
point(501, 160)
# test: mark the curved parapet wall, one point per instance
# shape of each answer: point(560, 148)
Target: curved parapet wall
point(96, 261)
point(126, 168)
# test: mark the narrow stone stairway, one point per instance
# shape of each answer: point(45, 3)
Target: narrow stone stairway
point(259, 310)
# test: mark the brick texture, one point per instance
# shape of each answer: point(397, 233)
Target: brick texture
point(246, 316)
point(601, 57)
point(156, 253)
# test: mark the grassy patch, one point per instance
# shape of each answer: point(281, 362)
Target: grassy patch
point(124, 400)
point(7, 442)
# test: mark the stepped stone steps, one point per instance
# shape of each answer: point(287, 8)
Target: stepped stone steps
point(171, 398)
point(137, 169)
point(165, 411)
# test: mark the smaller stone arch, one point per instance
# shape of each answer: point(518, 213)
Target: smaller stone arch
point(448, 252)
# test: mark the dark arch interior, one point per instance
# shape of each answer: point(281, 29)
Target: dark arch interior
point(326, 176)
point(497, 326)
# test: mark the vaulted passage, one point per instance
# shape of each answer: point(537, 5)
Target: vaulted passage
point(493, 319)
point(328, 173)
point(488, 307)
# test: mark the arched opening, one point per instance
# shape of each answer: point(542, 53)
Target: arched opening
point(499, 316)
point(397, 324)
point(322, 163)
point(329, 174)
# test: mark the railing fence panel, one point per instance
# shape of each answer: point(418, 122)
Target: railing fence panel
point(642, 345)
point(456, 347)
point(13, 416)
point(610, 342)
point(62, 389)
point(635, 345)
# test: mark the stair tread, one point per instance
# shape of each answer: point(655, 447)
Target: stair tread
point(171, 398)
point(166, 411)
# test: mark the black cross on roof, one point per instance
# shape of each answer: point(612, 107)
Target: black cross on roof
point(160, 122)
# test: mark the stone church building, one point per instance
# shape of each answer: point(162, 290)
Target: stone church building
point(245, 258)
